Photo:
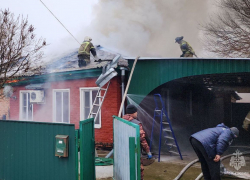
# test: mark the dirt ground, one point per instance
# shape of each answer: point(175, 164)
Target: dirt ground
point(169, 170)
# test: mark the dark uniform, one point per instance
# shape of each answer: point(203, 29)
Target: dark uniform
point(84, 53)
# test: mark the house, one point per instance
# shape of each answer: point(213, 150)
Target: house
point(198, 93)
point(64, 93)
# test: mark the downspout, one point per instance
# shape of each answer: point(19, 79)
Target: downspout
point(123, 80)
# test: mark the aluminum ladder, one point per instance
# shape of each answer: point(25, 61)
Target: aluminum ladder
point(98, 102)
point(165, 128)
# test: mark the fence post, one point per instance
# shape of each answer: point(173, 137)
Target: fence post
point(77, 144)
point(132, 158)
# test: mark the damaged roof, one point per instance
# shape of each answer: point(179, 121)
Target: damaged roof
point(70, 61)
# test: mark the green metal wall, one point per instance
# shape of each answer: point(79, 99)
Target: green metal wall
point(27, 151)
point(151, 73)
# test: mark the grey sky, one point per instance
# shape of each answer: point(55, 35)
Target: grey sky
point(145, 28)
point(74, 14)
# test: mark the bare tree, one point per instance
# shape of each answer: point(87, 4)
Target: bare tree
point(19, 49)
point(227, 34)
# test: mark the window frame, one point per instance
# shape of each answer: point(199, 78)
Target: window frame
point(82, 104)
point(21, 106)
point(54, 104)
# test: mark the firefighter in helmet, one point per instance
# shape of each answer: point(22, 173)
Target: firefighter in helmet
point(187, 50)
point(84, 52)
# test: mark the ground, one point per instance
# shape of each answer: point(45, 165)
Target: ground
point(170, 167)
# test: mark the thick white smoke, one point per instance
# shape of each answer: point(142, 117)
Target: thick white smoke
point(147, 28)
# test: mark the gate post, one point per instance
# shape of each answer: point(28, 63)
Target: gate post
point(77, 147)
point(87, 150)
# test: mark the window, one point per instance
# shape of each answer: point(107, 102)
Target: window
point(26, 108)
point(61, 107)
point(87, 97)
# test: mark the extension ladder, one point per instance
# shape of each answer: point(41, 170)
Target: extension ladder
point(98, 102)
point(165, 128)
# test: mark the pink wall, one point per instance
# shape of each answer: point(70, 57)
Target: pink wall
point(44, 112)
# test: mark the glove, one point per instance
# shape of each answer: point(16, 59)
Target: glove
point(97, 59)
point(149, 155)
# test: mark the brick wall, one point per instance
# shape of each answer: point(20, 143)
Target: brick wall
point(4, 106)
point(44, 112)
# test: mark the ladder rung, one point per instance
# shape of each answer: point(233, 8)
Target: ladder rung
point(165, 122)
point(167, 130)
point(99, 96)
point(94, 113)
point(158, 110)
point(96, 104)
point(169, 137)
point(173, 152)
point(103, 89)
point(172, 145)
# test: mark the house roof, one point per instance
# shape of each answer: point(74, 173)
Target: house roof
point(69, 62)
point(66, 68)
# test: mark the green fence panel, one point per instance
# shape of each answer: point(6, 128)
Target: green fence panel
point(76, 153)
point(126, 150)
point(27, 151)
point(87, 149)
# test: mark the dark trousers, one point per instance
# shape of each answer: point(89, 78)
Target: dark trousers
point(83, 60)
point(210, 169)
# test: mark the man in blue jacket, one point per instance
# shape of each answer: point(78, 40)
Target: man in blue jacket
point(209, 145)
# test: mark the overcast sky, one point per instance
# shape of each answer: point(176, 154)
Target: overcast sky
point(74, 14)
point(129, 27)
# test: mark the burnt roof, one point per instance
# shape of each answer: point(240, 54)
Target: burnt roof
point(69, 62)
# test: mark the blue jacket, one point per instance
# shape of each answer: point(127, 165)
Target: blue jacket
point(215, 140)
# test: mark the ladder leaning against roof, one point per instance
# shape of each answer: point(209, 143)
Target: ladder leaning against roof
point(108, 72)
point(100, 96)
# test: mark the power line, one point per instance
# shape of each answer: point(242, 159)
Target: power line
point(60, 22)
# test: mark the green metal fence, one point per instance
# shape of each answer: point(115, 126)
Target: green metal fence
point(126, 150)
point(27, 151)
point(87, 149)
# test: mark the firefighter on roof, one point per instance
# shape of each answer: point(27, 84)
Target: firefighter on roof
point(187, 50)
point(84, 52)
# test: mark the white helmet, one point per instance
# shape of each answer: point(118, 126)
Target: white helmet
point(87, 38)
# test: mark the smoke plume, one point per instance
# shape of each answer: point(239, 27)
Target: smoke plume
point(147, 28)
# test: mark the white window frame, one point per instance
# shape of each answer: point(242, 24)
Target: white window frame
point(82, 104)
point(21, 106)
point(54, 104)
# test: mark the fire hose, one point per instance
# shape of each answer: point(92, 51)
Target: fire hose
point(196, 160)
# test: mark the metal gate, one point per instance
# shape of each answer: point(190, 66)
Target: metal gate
point(126, 160)
point(27, 151)
point(87, 149)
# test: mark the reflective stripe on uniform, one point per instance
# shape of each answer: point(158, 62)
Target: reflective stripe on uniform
point(84, 50)
point(247, 119)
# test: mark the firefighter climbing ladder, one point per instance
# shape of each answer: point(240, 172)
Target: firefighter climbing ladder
point(165, 128)
point(98, 101)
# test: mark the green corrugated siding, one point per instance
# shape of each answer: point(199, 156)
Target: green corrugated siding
point(149, 74)
point(27, 151)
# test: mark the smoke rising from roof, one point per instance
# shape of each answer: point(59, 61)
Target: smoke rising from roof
point(147, 28)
